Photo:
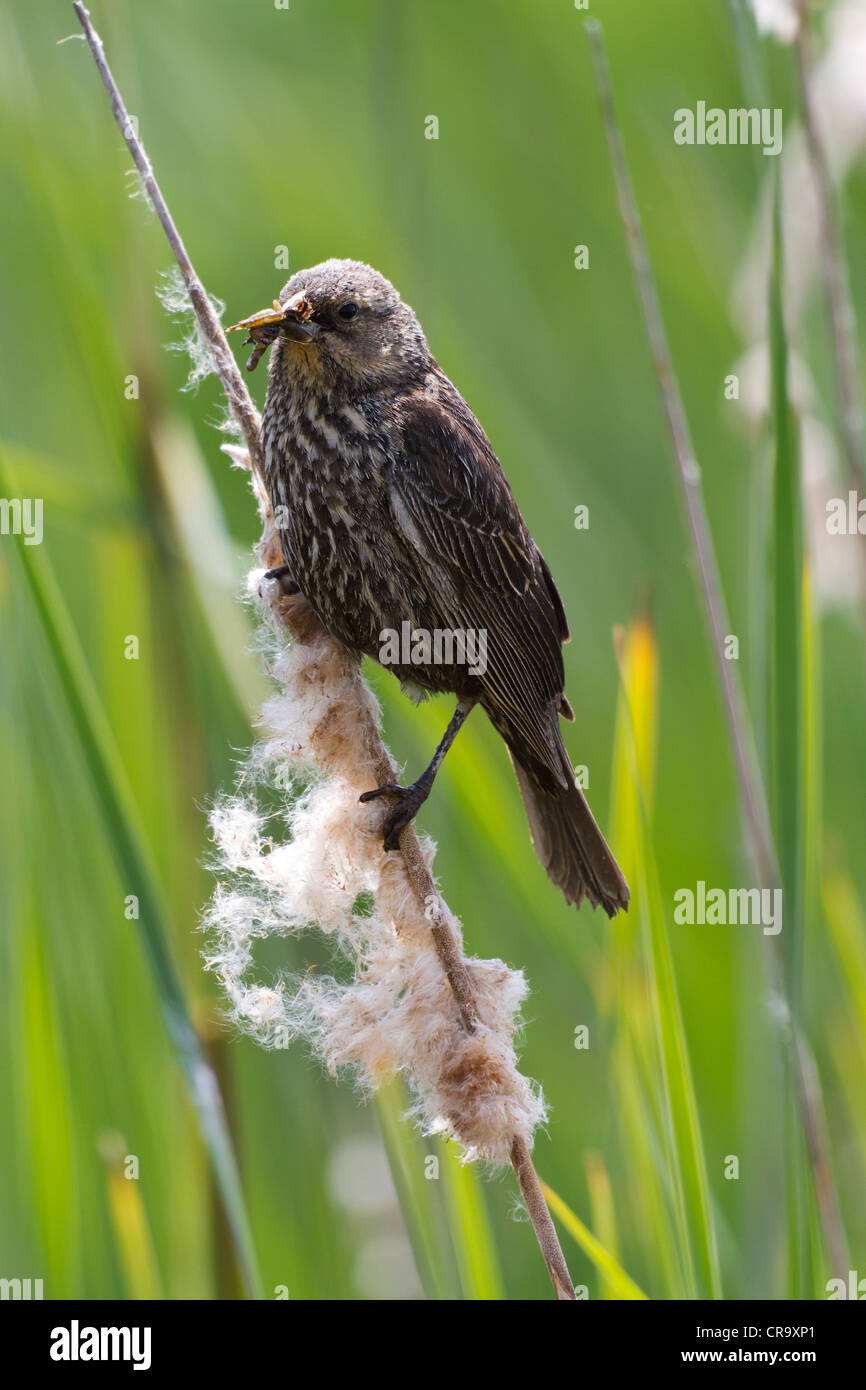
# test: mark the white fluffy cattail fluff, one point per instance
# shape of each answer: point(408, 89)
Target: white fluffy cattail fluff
point(329, 873)
point(781, 18)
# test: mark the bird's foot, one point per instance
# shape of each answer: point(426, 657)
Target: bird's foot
point(410, 801)
point(283, 575)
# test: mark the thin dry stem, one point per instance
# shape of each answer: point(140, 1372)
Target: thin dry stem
point(299, 622)
point(541, 1220)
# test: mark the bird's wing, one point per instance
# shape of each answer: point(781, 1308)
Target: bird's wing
point(479, 563)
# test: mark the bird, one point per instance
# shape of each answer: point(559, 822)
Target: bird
point(395, 518)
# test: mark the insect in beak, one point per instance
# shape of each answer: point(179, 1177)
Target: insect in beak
point(292, 319)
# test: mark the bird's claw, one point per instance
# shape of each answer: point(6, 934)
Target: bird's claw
point(283, 575)
point(411, 799)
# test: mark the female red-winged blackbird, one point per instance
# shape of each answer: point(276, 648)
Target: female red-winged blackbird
point(397, 522)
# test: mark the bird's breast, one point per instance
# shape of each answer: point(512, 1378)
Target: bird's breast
point(326, 467)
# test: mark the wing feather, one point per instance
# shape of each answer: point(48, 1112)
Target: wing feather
point(452, 502)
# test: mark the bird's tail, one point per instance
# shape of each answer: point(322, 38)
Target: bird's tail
point(569, 843)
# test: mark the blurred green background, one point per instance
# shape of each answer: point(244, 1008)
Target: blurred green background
point(305, 127)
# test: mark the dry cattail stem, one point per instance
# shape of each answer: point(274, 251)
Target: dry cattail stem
point(471, 1070)
point(295, 615)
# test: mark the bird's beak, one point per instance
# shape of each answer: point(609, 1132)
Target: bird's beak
point(292, 319)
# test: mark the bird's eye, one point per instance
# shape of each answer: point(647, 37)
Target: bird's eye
point(348, 310)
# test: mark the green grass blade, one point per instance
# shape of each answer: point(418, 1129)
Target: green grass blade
point(786, 725)
point(622, 1286)
point(130, 1223)
point(679, 1085)
point(846, 921)
point(414, 1193)
point(691, 1183)
point(603, 1212)
point(49, 1123)
point(480, 1276)
point(133, 857)
point(635, 1066)
point(787, 627)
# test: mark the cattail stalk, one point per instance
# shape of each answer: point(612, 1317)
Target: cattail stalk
point(294, 619)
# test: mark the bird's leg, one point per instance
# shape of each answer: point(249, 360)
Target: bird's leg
point(412, 798)
point(287, 583)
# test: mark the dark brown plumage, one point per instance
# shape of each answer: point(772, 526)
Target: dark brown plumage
point(393, 508)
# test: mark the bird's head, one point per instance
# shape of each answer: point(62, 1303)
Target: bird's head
point(342, 325)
